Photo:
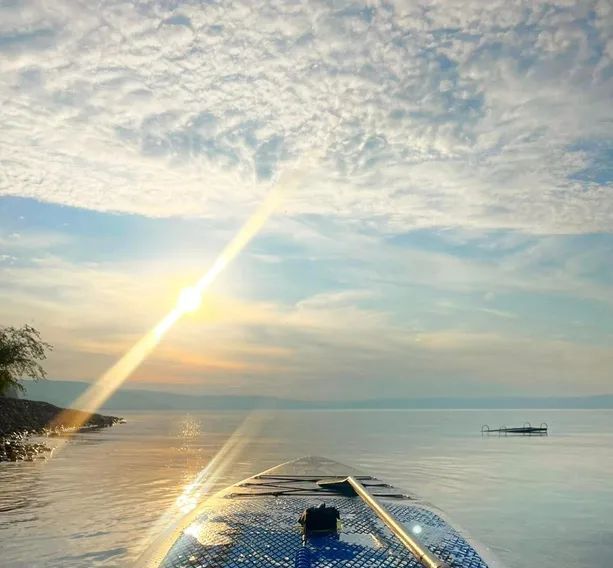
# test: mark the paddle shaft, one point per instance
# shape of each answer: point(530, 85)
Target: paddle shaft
point(418, 549)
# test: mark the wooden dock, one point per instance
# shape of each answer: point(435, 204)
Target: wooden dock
point(526, 430)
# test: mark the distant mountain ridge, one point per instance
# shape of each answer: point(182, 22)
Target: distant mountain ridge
point(63, 393)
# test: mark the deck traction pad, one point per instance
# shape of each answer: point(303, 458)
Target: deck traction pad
point(264, 532)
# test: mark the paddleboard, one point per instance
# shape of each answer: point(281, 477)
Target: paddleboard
point(256, 524)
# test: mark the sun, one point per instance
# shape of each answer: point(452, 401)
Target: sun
point(189, 300)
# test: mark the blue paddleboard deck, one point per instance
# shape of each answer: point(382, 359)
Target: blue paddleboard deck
point(255, 524)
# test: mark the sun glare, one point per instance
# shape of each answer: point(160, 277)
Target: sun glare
point(189, 300)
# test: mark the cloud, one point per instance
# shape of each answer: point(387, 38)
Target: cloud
point(465, 262)
point(31, 242)
point(323, 344)
point(425, 114)
point(447, 150)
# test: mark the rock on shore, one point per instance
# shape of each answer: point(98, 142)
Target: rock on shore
point(20, 419)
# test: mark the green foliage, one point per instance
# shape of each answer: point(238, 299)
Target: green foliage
point(21, 349)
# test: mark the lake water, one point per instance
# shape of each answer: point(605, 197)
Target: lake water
point(102, 496)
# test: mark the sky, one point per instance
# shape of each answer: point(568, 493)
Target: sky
point(450, 228)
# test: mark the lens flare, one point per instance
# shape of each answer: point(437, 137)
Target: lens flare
point(186, 506)
point(189, 300)
point(112, 379)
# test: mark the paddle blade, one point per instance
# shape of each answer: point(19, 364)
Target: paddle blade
point(340, 485)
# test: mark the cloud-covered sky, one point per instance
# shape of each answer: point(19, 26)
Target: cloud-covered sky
point(451, 226)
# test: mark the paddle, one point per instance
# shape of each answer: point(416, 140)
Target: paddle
point(351, 486)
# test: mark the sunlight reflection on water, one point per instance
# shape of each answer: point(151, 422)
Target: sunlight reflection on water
point(99, 502)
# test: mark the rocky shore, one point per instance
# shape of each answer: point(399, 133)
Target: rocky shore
point(20, 419)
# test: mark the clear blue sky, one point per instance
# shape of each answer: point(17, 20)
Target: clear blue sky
point(450, 229)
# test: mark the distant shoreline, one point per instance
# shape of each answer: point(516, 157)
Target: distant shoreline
point(20, 419)
point(63, 393)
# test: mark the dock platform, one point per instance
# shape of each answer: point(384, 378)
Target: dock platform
point(526, 430)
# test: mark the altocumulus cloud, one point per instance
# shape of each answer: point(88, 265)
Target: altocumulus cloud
point(426, 114)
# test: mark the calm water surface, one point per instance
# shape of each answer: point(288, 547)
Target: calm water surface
point(100, 498)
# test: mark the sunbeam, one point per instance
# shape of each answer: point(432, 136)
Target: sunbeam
point(189, 299)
